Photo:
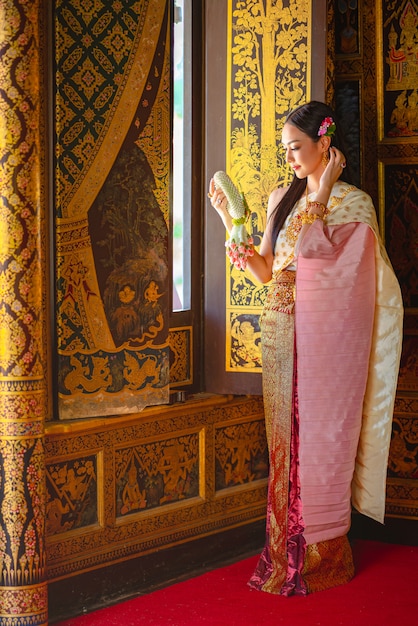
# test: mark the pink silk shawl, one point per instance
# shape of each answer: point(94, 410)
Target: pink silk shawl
point(348, 335)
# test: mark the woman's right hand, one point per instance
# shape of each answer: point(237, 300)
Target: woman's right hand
point(219, 202)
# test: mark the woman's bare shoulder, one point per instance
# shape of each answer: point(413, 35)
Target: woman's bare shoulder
point(275, 196)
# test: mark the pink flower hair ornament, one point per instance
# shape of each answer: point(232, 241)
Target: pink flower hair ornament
point(327, 127)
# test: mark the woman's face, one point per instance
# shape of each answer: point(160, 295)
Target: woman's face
point(302, 154)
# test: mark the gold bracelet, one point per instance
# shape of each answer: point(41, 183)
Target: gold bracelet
point(316, 205)
point(309, 218)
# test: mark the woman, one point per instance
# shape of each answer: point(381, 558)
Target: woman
point(331, 340)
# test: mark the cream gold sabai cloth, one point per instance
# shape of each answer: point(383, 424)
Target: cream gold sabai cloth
point(348, 324)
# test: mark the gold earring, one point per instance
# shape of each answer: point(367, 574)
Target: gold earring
point(325, 158)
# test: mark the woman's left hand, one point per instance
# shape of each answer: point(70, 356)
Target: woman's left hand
point(333, 169)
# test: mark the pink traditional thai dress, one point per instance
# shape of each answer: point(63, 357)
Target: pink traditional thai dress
point(331, 337)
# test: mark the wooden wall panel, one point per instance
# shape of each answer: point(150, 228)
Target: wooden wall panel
point(123, 487)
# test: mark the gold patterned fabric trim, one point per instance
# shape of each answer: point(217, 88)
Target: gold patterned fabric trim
point(328, 564)
point(281, 294)
point(287, 238)
point(277, 345)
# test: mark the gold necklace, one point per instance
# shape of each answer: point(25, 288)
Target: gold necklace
point(296, 223)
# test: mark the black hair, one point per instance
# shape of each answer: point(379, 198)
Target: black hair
point(307, 118)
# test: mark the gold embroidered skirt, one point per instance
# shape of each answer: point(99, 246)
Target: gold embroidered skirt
point(287, 566)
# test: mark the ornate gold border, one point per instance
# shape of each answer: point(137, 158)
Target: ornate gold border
point(186, 334)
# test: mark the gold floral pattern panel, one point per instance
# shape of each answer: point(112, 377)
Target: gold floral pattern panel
point(268, 69)
point(112, 138)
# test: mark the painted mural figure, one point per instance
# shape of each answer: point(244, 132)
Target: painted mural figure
point(331, 335)
point(175, 469)
point(403, 58)
point(348, 34)
point(89, 379)
point(55, 511)
point(151, 294)
point(247, 343)
point(403, 461)
point(133, 497)
point(409, 39)
point(399, 113)
point(412, 115)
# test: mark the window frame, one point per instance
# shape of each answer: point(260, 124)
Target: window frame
point(191, 319)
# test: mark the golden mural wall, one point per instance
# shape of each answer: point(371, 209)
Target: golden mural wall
point(112, 140)
point(268, 76)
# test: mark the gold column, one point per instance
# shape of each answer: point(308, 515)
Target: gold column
point(23, 362)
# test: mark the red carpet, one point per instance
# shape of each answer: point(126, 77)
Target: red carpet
point(384, 592)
